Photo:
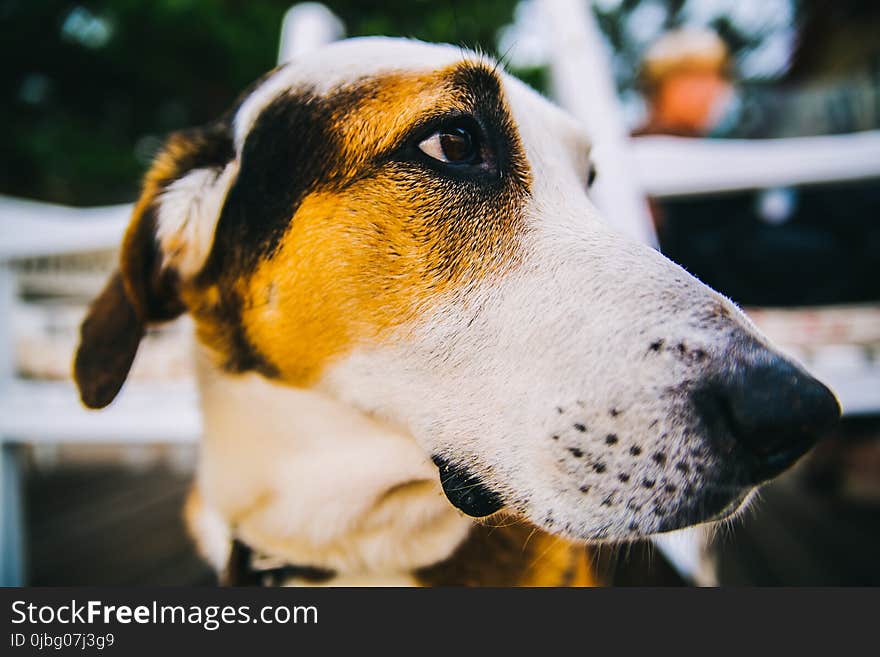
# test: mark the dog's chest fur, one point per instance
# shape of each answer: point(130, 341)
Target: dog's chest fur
point(308, 480)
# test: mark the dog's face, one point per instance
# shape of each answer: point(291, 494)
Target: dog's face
point(408, 229)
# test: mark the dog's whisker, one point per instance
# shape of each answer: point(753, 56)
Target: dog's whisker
point(529, 537)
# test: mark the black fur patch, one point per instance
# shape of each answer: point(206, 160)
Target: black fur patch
point(241, 354)
point(212, 147)
point(289, 148)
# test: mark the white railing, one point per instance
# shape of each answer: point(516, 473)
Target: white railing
point(678, 166)
point(30, 229)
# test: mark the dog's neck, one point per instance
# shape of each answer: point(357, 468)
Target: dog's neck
point(308, 480)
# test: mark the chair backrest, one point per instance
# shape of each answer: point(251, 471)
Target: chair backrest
point(307, 26)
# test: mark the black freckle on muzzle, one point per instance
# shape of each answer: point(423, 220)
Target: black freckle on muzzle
point(466, 491)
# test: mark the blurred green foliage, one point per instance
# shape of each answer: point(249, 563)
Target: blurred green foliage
point(91, 88)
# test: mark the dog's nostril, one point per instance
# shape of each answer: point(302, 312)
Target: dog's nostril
point(774, 410)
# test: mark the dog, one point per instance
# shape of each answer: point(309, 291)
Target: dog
point(422, 356)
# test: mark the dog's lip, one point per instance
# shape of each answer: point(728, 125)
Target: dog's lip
point(719, 502)
point(772, 466)
point(466, 491)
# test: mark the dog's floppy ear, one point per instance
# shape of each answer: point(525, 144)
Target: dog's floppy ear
point(167, 241)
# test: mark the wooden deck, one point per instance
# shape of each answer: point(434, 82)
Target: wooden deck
point(108, 525)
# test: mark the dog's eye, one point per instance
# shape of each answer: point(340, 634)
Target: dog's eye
point(452, 146)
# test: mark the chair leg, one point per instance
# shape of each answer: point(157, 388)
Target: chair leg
point(12, 531)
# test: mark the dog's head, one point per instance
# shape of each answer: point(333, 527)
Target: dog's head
point(408, 229)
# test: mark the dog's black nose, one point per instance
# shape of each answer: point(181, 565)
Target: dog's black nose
point(773, 410)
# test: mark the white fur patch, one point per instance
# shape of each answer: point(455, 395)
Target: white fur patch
point(304, 478)
point(189, 209)
point(210, 531)
point(340, 63)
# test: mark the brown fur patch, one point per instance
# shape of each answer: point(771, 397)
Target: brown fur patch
point(514, 555)
point(109, 339)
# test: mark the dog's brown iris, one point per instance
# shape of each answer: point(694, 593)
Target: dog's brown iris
point(452, 145)
point(457, 145)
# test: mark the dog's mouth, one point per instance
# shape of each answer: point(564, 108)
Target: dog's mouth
point(714, 501)
point(715, 504)
point(466, 491)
